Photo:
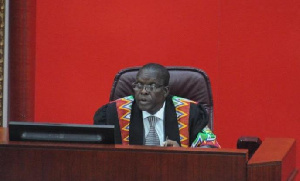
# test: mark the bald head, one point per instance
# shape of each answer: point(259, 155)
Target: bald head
point(162, 72)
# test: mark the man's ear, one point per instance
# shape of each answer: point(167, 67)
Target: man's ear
point(166, 91)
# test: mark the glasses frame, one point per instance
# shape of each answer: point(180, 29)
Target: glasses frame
point(147, 87)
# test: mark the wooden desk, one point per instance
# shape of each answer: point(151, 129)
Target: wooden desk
point(274, 160)
point(61, 161)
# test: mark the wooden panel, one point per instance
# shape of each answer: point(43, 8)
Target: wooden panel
point(58, 161)
point(3, 135)
point(115, 164)
point(274, 160)
point(264, 172)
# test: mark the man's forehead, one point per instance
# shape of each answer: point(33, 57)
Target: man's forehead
point(148, 74)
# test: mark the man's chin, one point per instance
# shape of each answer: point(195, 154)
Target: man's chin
point(143, 107)
point(147, 109)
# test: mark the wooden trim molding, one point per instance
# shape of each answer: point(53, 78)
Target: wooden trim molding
point(2, 24)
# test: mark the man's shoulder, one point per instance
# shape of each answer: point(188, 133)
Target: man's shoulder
point(182, 99)
point(123, 99)
point(124, 102)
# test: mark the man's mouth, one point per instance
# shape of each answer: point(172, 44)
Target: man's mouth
point(143, 101)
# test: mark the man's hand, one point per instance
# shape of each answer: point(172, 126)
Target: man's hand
point(171, 143)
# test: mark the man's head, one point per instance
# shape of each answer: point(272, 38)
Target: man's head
point(151, 87)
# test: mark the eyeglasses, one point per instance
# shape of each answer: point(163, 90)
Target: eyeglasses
point(148, 87)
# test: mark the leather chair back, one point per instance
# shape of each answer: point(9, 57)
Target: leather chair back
point(187, 82)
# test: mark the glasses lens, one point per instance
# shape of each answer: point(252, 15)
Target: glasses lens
point(149, 88)
point(137, 86)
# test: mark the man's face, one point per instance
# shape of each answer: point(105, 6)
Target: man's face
point(150, 101)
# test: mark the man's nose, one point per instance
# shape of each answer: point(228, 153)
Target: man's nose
point(144, 91)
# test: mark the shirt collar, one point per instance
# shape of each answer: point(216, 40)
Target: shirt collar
point(159, 113)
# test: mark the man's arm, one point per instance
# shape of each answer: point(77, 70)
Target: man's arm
point(200, 134)
point(100, 116)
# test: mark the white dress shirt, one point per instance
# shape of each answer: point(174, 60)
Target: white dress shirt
point(159, 127)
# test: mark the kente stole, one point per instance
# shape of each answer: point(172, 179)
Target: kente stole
point(182, 107)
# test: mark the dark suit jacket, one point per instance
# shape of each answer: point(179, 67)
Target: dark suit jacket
point(108, 115)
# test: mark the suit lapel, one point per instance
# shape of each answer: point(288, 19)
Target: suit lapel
point(136, 127)
point(171, 124)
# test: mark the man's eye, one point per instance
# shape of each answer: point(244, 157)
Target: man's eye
point(153, 85)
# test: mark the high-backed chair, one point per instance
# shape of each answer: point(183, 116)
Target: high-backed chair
point(187, 82)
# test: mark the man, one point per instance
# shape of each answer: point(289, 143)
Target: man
point(149, 117)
